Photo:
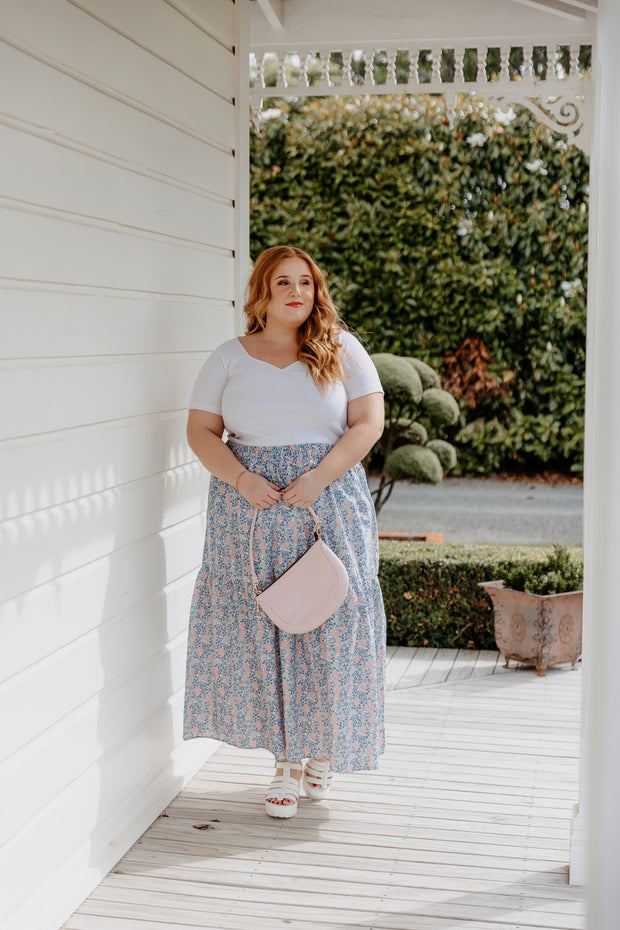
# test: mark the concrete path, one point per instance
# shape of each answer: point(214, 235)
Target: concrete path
point(488, 510)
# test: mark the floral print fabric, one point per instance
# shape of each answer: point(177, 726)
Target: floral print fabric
point(248, 683)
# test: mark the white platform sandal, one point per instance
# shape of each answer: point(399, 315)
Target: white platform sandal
point(317, 779)
point(283, 787)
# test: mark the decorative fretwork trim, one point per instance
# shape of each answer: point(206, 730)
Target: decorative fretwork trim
point(553, 82)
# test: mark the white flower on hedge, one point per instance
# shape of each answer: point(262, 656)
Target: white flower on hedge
point(464, 227)
point(505, 118)
point(571, 288)
point(536, 166)
point(476, 139)
point(272, 113)
point(561, 145)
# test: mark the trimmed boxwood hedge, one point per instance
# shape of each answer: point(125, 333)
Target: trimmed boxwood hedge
point(431, 591)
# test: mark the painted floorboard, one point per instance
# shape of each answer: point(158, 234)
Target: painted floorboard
point(465, 825)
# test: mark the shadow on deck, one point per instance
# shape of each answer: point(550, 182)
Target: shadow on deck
point(465, 825)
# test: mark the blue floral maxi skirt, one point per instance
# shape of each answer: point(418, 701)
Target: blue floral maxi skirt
point(251, 685)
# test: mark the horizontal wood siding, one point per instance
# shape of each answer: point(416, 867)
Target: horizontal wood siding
point(119, 271)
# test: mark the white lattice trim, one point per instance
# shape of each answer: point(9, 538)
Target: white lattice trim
point(552, 81)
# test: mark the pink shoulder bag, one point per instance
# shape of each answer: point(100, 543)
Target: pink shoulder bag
point(309, 591)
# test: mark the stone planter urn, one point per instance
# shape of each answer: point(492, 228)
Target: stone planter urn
point(536, 629)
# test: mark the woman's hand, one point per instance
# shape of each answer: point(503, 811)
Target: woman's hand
point(303, 491)
point(257, 490)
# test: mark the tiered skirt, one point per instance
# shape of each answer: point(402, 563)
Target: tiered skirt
point(249, 684)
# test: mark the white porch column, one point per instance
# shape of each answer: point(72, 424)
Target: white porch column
point(599, 815)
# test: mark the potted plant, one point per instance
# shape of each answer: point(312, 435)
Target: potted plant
point(538, 612)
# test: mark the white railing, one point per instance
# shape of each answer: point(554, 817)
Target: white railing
point(554, 82)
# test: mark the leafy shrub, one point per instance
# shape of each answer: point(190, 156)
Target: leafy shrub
point(431, 591)
point(558, 573)
point(464, 247)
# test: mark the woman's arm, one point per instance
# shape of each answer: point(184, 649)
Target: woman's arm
point(365, 420)
point(204, 435)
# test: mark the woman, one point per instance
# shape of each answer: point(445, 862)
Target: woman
point(302, 405)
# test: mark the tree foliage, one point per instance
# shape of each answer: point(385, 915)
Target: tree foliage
point(464, 246)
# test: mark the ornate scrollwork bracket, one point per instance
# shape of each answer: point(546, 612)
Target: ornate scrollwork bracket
point(567, 116)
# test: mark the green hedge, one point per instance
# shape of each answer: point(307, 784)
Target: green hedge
point(464, 246)
point(431, 591)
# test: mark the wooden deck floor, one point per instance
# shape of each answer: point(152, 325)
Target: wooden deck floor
point(464, 827)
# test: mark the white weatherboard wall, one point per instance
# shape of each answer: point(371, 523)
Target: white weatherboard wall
point(122, 170)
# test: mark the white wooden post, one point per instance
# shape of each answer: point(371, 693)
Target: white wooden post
point(242, 160)
point(599, 814)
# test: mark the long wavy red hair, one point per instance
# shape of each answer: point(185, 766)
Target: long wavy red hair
point(319, 347)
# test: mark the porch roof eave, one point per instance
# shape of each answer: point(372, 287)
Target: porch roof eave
point(333, 23)
point(560, 96)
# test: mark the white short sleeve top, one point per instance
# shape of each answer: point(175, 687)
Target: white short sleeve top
point(262, 405)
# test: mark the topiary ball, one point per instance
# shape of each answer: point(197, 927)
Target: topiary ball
point(410, 431)
point(414, 463)
point(399, 379)
point(428, 375)
point(440, 407)
point(445, 452)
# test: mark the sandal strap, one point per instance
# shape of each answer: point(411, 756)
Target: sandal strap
point(318, 772)
point(284, 787)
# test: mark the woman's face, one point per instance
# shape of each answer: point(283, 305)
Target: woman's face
point(292, 294)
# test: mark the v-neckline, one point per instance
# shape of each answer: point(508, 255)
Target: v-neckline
point(263, 362)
